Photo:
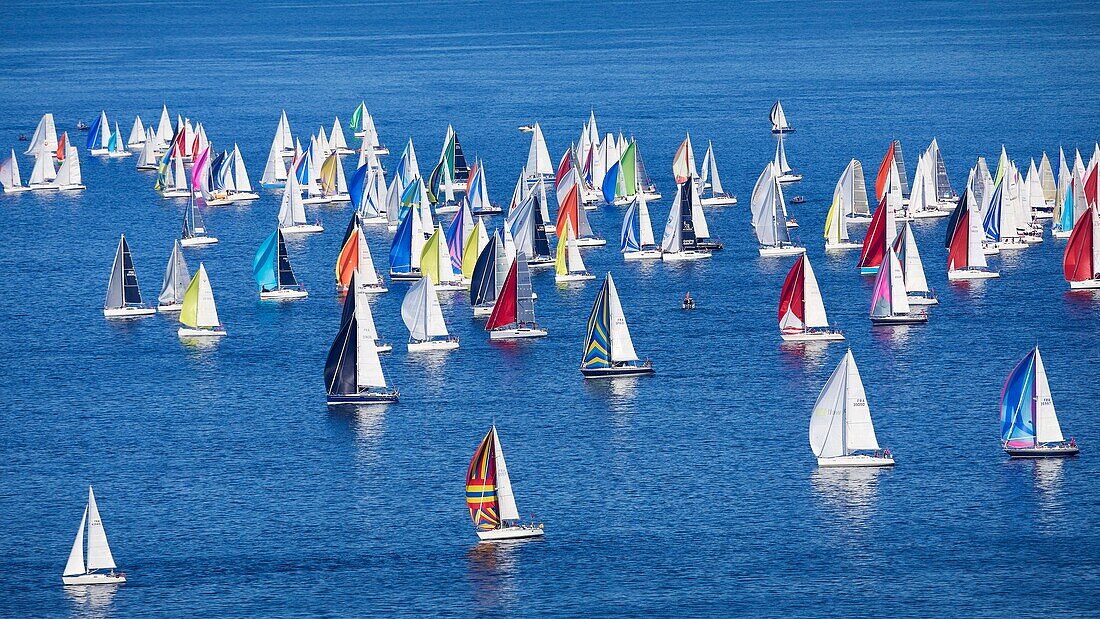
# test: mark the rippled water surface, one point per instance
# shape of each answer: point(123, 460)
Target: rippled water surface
point(229, 488)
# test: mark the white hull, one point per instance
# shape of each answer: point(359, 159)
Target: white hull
point(76, 187)
point(1011, 245)
point(219, 202)
point(841, 246)
point(450, 286)
point(316, 200)
point(128, 312)
point(447, 208)
point(119, 155)
point(856, 461)
point(244, 196)
point(283, 294)
point(16, 189)
point(928, 214)
point(589, 241)
point(189, 332)
point(383, 346)
point(198, 241)
point(508, 533)
point(726, 201)
point(43, 187)
point(175, 193)
point(516, 334)
point(777, 252)
point(912, 318)
point(94, 579)
point(303, 229)
point(789, 178)
point(176, 307)
point(859, 219)
point(573, 277)
point(922, 300)
point(1061, 234)
point(339, 197)
point(819, 336)
point(679, 256)
point(1088, 284)
point(379, 289)
point(481, 311)
point(378, 219)
point(433, 345)
point(651, 196)
point(98, 152)
point(955, 276)
point(645, 254)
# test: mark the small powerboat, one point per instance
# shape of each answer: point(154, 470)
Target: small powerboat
point(689, 303)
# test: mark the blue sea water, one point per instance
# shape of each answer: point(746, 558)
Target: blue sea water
point(227, 486)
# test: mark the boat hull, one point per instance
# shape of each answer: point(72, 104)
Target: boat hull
point(779, 252)
point(591, 241)
point(175, 307)
point(123, 313)
point(645, 254)
point(450, 286)
point(411, 276)
point(94, 579)
point(481, 311)
point(519, 333)
point(429, 345)
point(928, 214)
point(16, 189)
point(682, 256)
point(1087, 284)
point(616, 371)
point(855, 461)
point(841, 246)
point(303, 229)
point(198, 241)
point(510, 533)
point(283, 294)
point(720, 201)
point(956, 276)
point(191, 332)
point(1061, 234)
point(1043, 451)
point(366, 397)
point(922, 300)
point(573, 277)
point(859, 219)
point(813, 336)
point(789, 178)
point(900, 319)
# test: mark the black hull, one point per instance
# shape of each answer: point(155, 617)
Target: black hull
point(613, 372)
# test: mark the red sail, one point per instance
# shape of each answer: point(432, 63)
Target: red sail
point(874, 244)
point(791, 299)
point(564, 166)
point(504, 310)
point(1077, 263)
point(567, 212)
point(1090, 182)
point(884, 172)
point(958, 253)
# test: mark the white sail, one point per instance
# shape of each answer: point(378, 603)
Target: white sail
point(841, 420)
point(366, 271)
point(836, 221)
point(781, 156)
point(275, 170)
point(672, 241)
point(75, 565)
point(622, 347)
point(148, 156)
point(207, 314)
point(44, 138)
point(368, 369)
point(240, 174)
point(975, 255)
point(645, 226)
point(573, 261)
point(292, 212)
point(912, 267)
point(538, 156)
point(43, 171)
point(336, 138)
point(505, 498)
point(1047, 429)
point(811, 295)
point(715, 182)
point(137, 133)
point(283, 134)
point(923, 194)
point(778, 118)
point(698, 217)
point(164, 128)
point(760, 190)
point(99, 552)
point(421, 313)
point(859, 430)
point(899, 300)
point(771, 225)
point(176, 278)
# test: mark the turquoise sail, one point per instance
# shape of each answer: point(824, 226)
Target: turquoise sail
point(628, 240)
point(1018, 404)
point(263, 264)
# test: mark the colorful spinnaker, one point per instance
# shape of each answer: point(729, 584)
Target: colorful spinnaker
point(1029, 424)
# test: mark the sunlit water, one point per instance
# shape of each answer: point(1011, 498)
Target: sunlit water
point(228, 487)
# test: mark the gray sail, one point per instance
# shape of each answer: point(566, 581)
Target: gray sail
point(176, 278)
point(525, 303)
point(123, 288)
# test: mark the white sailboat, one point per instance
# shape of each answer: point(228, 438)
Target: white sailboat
point(638, 244)
point(779, 119)
point(44, 139)
point(123, 294)
point(802, 315)
point(849, 204)
point(199, 314)
point(83, 569)
point(69, 177)
point(116, 148)
point(770, 221)
point(147, 158)
point(784, 172)
point(489, 495)
point(275, 172)
point(841, 431)
point(43, 173)
point(194, 233)
point(176, 278)
point(568, 264)
point(679, 242)
point(284, 138)
point(9, 175)
point(292, 212)
point(912, 269)
point(923, 201)
point(242, 186)
point(163, 133)
point(138, 136)
point(423, 316)
point(710, 185)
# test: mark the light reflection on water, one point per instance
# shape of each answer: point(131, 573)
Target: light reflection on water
point(848, 493)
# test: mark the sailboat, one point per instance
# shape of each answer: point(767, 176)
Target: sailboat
point(116, 148)
point(487, 279)
point(570, 209)
point(710, 185)
point(44, 139)
point(362, 123)
point(284, 138)
point(68, 176)
point(337, 141)
point(292, 212)
point(912, 269)
point(176, 279)
point(163, 133)
point(407, 246)
point(199, 314)
point(568, 264)
point(679, 242)
point(538, 156)
point(171, 177)
point(923, 200)
point(99, 134)
point(849, 204)
point(784, 172)
point(355, 257)
point(422, 315)
point(608, 349)
point(147, 158)
point(946, 198)
point(880, 235)
point(636, 241)
point(9, 175)
point(894, 160)
point(477, 197)
point(334, 184)
point(779, 119)
point(1000, 222)
point(889, 300)
point(513, 315)
point(1081, 260)
point(275, 172)
point(1029, 424)
point(272, 271)
point(353, 372)
point(527, 227)
point(79, 571)
point(1046, 180)
point(123, 294)
point(770, 221)
point(683, 163)
point(435, 262)
point(489, 495)
point(801, 309)
point(242, 186)
point(138, 136)
point(965, 258)
point(43, 173)
point(841, 431)
point(194, 229)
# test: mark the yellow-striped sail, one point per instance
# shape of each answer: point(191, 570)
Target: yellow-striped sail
point(189, 314)
point(471, 249)
point(429, 257)
point(561, 266)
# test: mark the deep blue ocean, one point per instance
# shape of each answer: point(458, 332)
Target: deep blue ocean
point(229, 488)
